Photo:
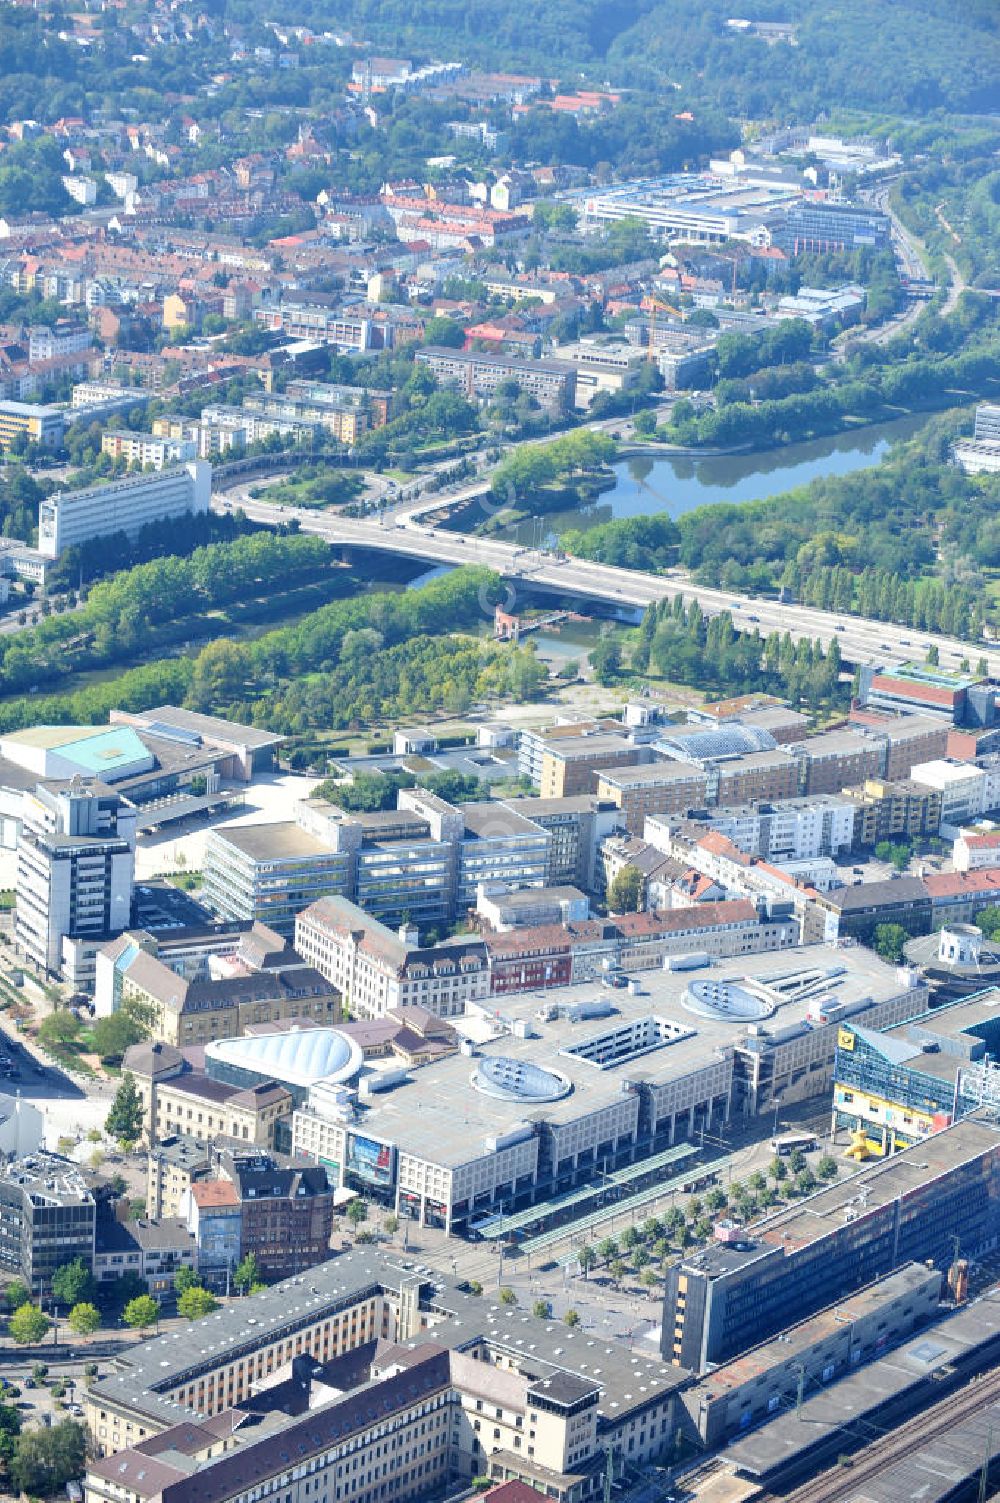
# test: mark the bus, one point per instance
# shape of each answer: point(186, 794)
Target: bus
point(791, 1142)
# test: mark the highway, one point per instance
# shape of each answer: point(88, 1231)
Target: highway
point(861, 640)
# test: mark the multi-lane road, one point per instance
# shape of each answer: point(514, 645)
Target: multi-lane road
point(627, 590)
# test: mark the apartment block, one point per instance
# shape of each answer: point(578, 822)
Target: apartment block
point(145, 450)
point(836, 760)
point(75, 869)
point(758, 775)
point(478, 374)
point(571, 764)
point(886, 810)
point(379, 971)
point(656, 789)
point(67, 518)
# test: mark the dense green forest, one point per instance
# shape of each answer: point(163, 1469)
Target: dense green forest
point(902, 55)
point(346, 664)
point(688, 647)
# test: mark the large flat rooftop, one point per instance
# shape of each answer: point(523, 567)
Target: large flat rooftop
point(874, 1186)
point(441, 1116)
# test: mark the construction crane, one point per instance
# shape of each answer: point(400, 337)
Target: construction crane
point(656, 305)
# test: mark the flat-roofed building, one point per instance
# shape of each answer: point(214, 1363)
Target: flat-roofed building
point(576, 826)
point(44, 426)
point(69, 518)
point(957, 698)
point(769, 1378)
point(836, 760)
point(721, 1301)
point(543, 1105)
point(571, 764)
point(758, 775)
point(269, 873)
point(655, 789)
point(142, 450)
point(886, 810)
point(478, 374)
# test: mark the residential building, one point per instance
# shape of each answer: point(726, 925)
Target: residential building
point(67, 518)
point(378, 971)
point(837, 760)
point(855, 912)
point(572, 764)
point(966, 790)
point(173, 1165)
point(974, 849)
point(75, 869)
point(44, 426)
point(144, 451)
point(257, 979)
point(791, 829)
point(893, 811)
point(720, 1302)
point(959, 897)
point(657, 788)
point(47, 1218)
point(154, 1250)
point(286, 1211)
point(478, 374)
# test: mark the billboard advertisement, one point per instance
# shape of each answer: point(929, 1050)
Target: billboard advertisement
point(373, 1162)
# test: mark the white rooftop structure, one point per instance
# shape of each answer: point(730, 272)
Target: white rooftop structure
point(298, 1057)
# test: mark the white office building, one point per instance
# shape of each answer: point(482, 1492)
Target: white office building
point(75, 870)
point(966, 791)
point(72, 517)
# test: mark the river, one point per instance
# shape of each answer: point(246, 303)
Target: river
point(679, 483)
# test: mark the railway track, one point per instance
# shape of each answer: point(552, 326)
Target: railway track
point(842, 1482)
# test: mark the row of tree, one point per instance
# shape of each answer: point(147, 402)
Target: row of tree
point(686, 647)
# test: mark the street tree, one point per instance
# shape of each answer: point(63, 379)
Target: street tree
point(247, 1274)
point(73, 1283)
point(124, 1121)
point(28, 1325)
point(184, 1279)
point(84, 1318)
point(141, 1312)
point(194, 1303)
